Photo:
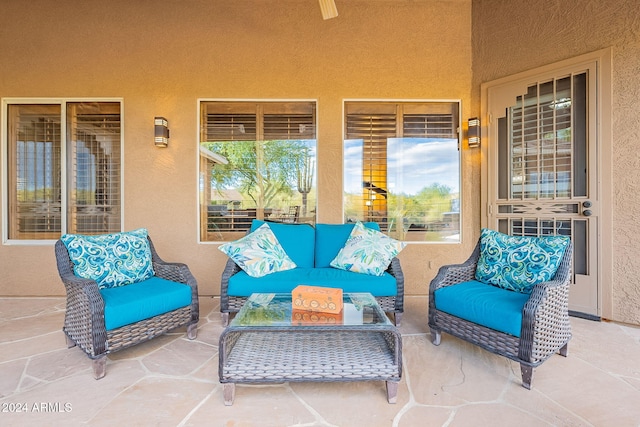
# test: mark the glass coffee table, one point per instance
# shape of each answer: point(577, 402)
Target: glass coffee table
point(270, 342)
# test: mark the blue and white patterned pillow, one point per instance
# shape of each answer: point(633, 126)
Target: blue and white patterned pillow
point(111, 260)
point(367, 251)
point(258, 253)
point(518, 263)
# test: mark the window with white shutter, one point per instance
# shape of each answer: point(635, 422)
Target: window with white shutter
point(63, 168)
point(402, 168)
point(257, 161)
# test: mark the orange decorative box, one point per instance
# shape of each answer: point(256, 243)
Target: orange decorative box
point(308, 317)
point(317, 298)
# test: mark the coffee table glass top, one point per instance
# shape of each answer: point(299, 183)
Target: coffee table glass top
point(275, 310)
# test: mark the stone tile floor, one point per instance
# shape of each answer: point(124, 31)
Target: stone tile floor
point(171, 381)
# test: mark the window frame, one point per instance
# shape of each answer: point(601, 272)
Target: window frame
point(460, 137)
point(198, 156)
point(64, 163)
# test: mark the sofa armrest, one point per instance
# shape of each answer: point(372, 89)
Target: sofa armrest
point(177, 272)
point(230, 269)
point(395, 270)
point(76, 285)
point(84, 315)
point(545, 317)
point(456, 273)
point(174, 271)
point(450, 275)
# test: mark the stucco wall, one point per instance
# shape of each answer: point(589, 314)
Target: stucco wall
point(510, 36)
point(161, 56)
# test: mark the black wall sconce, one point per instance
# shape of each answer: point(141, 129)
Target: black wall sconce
point(161, 132)
point(328, 9)
point(473, 132)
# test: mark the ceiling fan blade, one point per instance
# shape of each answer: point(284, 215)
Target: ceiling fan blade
point(328, 8)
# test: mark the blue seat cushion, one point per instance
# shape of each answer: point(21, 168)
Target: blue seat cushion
point(243, 285)
point(330, 238)
point(483, 304)
point(297, 240)
point(139, 301)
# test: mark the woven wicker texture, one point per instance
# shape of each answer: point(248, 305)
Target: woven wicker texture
point(545, 330)
point(129, 335)
point(84, 317)
point(321, 354)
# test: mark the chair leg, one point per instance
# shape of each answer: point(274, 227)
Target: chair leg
point(392, 391)
point(397, 318)
point(100, 367)
point(564, 351)
point(70, 343)
point(192, 331)
point(228, 393)
point(527, 375)
point(225, 319)
point(435, 336)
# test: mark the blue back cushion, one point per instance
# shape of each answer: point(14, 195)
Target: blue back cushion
point(330, 238)
point(297, 240)
point(241, 284)
point(489, 306)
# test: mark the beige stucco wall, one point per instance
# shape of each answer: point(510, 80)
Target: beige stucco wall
point(161, 56)
point(510, 36)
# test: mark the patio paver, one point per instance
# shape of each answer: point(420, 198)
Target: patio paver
point(173, 381)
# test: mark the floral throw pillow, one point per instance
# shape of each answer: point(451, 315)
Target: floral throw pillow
point(111, 260)
point(367, 251)
point(258, 253)
point(518, 263)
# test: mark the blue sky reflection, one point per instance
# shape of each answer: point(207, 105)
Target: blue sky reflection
point(413, 164)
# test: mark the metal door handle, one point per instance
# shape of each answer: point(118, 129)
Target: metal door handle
point(587, 212)
point(586, 203)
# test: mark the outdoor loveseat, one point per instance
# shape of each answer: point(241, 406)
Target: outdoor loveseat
point(510, 298)
point(312, 249)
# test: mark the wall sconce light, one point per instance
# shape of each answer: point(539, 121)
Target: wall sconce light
point(473, 132)
point(328, 9)
point(161, 132)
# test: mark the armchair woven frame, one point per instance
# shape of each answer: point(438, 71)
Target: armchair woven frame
point(84, 324)
point(545, 330)
point(389, 304)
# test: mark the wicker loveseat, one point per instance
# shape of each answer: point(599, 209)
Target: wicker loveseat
point(527, 327)
point(312, 248)
point(104, 319)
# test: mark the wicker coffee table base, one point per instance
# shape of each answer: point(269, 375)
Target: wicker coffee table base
point(324, 354)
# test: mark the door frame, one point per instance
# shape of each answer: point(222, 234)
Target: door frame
point(604, 179)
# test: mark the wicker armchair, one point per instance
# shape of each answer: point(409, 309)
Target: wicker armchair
point(545, 328)
point(84, 323)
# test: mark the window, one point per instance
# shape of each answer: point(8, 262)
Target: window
point(63, 169)
point(257, 161)
point(402, 168)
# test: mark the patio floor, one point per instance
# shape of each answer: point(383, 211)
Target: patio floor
point(171, 381)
